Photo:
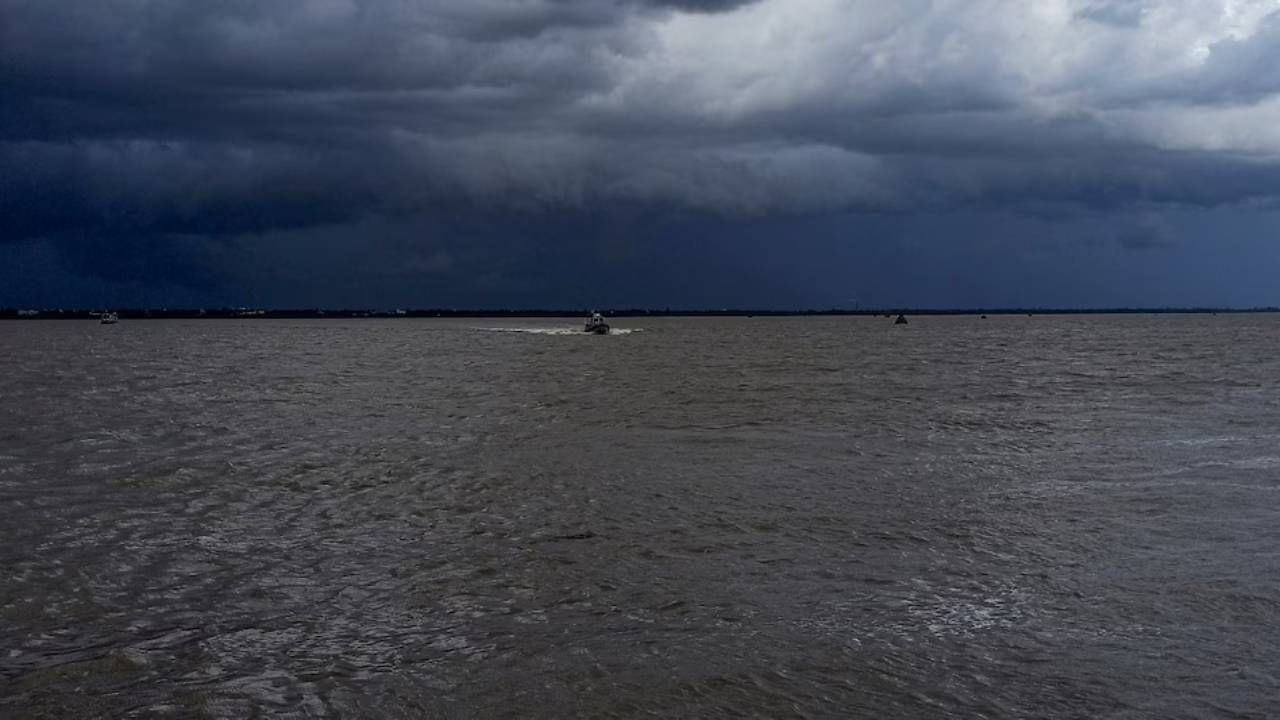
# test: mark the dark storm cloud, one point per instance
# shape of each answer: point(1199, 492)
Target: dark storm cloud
point(1147, 234)
point(135, 123)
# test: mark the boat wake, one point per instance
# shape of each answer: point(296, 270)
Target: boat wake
point(556, 330)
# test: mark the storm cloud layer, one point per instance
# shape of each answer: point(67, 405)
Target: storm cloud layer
point(196, 143)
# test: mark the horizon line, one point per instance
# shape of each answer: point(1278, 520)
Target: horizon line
point(295, 313)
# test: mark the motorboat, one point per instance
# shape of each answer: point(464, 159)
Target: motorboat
point(596, 325)
point(108, 318)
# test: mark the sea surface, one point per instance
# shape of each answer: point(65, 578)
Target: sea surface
point(1018, 517)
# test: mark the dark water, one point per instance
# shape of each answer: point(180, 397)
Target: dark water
point(1043, 517)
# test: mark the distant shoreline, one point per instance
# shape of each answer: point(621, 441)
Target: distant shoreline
point(296, 314)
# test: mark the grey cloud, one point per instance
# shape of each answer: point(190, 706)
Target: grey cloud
point(703, 6)
point(235, 119)
point(1241, 70)
point(1121, 13)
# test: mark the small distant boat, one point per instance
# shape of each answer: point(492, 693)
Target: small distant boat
point(108, 318)
point(902, 320)
point(596, 325)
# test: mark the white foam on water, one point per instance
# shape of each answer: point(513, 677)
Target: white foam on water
point(1261, 462)
point(556, 331)
point(1216, 439)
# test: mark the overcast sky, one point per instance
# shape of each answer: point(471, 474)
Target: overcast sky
point(665, 153)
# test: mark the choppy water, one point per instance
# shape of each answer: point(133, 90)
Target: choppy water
point(1020, 517)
